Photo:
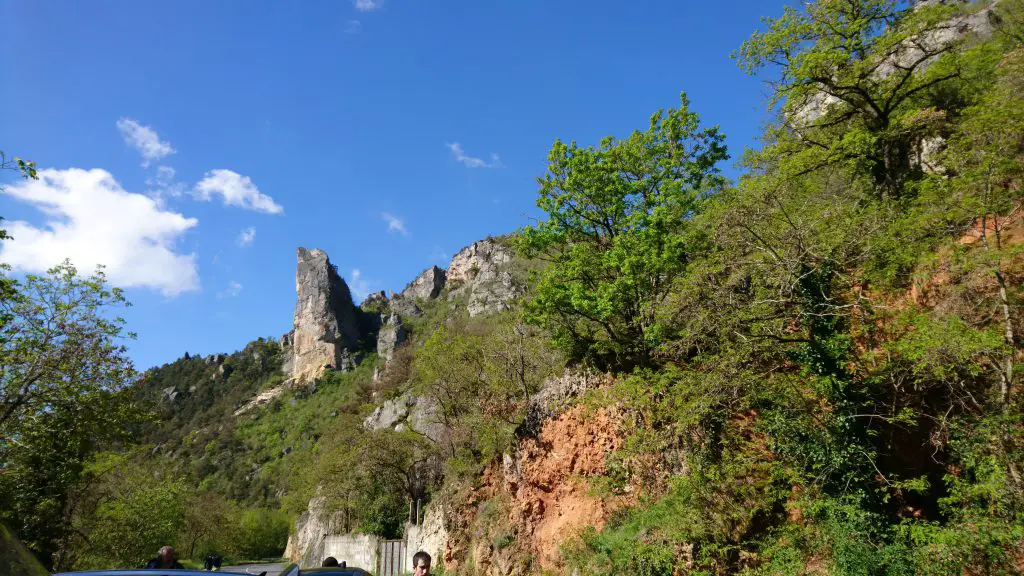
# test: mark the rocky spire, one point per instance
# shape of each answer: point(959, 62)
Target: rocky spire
point(326, 328)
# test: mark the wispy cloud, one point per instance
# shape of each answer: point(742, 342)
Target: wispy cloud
point(471, 161)
point(164, 183)
point(395, 224)
point(246, 237)
point(353, 27)
point(145, 140)
point(366, 5)
point(360, 286)
point(235, 190)
point(234, 289)
point(91, 219)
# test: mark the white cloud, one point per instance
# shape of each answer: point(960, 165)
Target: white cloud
point(165, 173)
point(235, 190)
point(163, 183)
point(233, 289)
point(360, 286)
point(470, 161)
point(145, 140)
point(246, 237)
point(366, 5)
point(91, 219)
point(353, 27)
point(395, 224)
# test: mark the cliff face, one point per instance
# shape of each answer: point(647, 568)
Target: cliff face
point(526, 508)
point(326, 331)
point(480, 270)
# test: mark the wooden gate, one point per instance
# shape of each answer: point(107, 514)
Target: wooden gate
point(392, 558)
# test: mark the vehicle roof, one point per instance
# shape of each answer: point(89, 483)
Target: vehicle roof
point(144, 571)
point(334, 571)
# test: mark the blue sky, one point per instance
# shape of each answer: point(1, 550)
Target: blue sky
point(192, 146)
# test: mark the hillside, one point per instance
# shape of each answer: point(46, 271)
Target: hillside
point(811, 370)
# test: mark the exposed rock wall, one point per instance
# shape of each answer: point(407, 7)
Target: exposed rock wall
point(426, 286)
point(480, 271)
point(556, 395)
point(431, 536)
point(408, 412)
point(326, 329)
point(515, 523)
point(391, 335)
point(306, 546)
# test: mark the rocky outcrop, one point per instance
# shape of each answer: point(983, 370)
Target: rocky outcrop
point(407, 412)
point(306, 545)
point(556, 395)
point(480, 271)
point(431, 536)
point(539, 498)
point(326, 329)
point(376, 302)
point(260, 399)
point(390, 336)
point(426, 286)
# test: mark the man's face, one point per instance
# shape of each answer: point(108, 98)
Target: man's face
point(422, 568)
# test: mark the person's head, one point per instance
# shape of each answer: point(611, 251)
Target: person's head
point(166, 553)
point(421, 564)
point(330, 561)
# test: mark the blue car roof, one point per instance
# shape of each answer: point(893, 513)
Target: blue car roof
point(150, 571)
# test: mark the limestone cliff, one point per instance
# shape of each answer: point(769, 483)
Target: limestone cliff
point(480, 270)
point(326, 327)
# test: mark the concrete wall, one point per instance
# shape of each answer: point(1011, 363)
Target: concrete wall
point(358, 550)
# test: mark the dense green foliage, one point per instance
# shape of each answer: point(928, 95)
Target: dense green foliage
point(63, 373)
point(194, 400)
point(840, 385)
point(616, 234)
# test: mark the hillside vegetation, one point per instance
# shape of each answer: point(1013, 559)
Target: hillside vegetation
point(813, 369)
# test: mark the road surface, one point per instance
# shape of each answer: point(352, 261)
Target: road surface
point(271, 569)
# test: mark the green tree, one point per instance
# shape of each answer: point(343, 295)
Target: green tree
point(615, 234)
point(211, 525)
point(851, 75)
point(264, 533)
point(63, 374)
point(143, 513)
point(986, 156)
point(27, 169)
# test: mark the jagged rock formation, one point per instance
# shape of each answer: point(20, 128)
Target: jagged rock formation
point(391, 335)
point(478, 270)
point(170, 394)
point(306, 545)
point(480, 276)
point(408, 412)
point(376, 302)
point(326, 327)
point(426, 286)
